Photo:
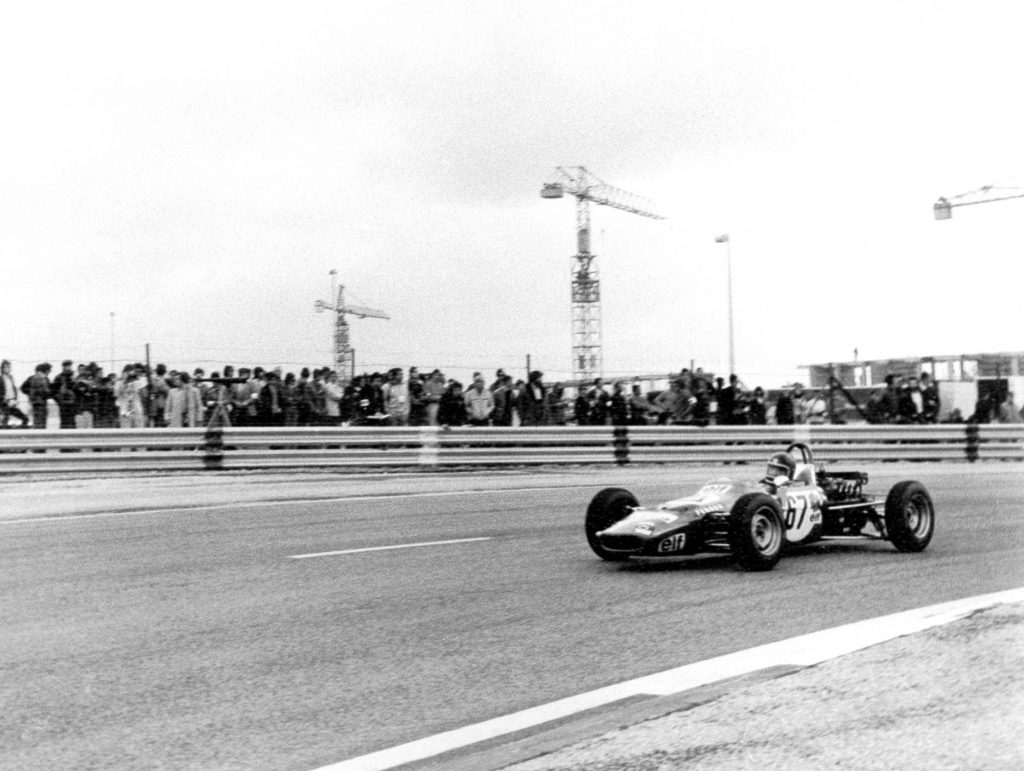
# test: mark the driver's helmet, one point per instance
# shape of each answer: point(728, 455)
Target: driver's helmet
point(781, 464)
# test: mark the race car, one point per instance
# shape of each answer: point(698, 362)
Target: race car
point(797, 502)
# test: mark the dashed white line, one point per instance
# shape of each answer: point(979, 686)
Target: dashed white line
point(385, 548)
point(292, 502)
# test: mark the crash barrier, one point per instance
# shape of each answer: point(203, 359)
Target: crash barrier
point(432, 447)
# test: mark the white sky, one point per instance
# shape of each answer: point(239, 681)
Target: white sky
point(197, 168)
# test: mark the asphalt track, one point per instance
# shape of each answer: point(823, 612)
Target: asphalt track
point(211, 638)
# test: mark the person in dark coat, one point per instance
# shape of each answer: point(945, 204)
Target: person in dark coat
point(452, 411)
point(784, 409)
point(619, 406)
point(758, 408)
point(38, 390)
point(532, 399)
point(63, 391)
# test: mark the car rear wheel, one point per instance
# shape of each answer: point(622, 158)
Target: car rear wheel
point(606, 508)
point(756, 532)
point(909, 516)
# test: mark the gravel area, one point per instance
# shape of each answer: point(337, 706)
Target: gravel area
point(948, 698)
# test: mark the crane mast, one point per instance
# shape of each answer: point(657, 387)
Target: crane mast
point(587, 360)
point(344, 354)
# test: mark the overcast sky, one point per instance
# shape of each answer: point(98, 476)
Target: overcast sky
point(197, 168)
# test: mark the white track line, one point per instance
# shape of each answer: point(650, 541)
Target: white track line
point(292, 502)
point(805, 650)
point(384, 548)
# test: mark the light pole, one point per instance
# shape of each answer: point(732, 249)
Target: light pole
point(112, 341)
point(724, 239)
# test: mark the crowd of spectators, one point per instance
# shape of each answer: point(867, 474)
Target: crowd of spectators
point(87, 397)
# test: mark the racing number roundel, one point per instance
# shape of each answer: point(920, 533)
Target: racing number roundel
point(802, 513)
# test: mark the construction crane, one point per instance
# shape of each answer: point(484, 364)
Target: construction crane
point(344, 354)
point(586, 290)
point(943, 208)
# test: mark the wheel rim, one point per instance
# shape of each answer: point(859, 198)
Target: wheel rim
point(765, 531)
point(918, 515)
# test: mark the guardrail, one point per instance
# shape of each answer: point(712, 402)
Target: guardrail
point(167, 449)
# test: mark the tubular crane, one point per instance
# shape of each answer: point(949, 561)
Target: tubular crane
point(586, 291)
point(344, 354)
point(943, 208)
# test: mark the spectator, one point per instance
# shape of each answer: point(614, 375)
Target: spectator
point(240, 399)
point(701, 403)
point(479, 403)
point(983, 410)
point(600, 403)
point(930, 398)
point(254, 387)
point(1009, 412)
point(504, 395)
point(371, 401)
point(618, 406)
point(205, 388)
point(63, 390)
point(639, 406)
point(304, 398)
point(396, 398)
point(333, 394)
point(157, 392)
point(216, 401)
point(290, 400)
point(269, 403)
point(668, 403)
point(801, 404)
point(433, 390)
point(417, 399)
point(891, 399)
point(581, 409)
point(726, 400)
point(500, 379)
point(9, 397)
point(452, 411)
point(85, 396)
point(874, 409)
point(757, 408)
point(909, 404)
point(128, 392)
point(555, 407)
point(785, 414)
point(532, 401)
point(174, 404)
point(106, 401)
point(38, 389)
point(515, 401)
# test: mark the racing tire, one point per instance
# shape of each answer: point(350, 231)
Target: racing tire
point(756, 532)
point(909, 516)
point(606, 508)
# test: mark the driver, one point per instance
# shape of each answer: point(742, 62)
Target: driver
point(780, 464)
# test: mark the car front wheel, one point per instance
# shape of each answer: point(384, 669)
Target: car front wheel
point(606, 508)
point(756, 532)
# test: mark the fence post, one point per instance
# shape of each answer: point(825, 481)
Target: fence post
point(213, 446)
point(973, 441)
point(620, 440)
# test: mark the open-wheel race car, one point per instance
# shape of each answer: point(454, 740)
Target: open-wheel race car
point(797, 502)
